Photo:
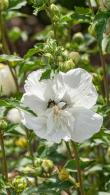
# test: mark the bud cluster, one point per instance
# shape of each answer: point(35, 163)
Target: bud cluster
point(4, 4)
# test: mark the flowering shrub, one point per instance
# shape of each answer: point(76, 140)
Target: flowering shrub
point(54, 97)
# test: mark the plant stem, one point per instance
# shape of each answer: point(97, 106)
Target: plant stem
point(79, 175)
point(104, 66)
point(31, 151)
point(50, 14)
point(68, 149)
point(106, 88)
point(5, 47)
point(5, 171)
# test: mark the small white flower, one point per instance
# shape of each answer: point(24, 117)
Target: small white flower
point(62, 105)
point(7, 84)
point(14, 115)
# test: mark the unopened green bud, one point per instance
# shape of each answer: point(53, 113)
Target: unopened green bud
point(19, 183)
point(38, 171)
point(49, 55)
point(47, 165)
point(68, 65)
point(4, 4)
point(3, 124)
point(28, 170)
point(78, 37)
point(55, 18)
point(38, 162)
point(85, 58)
point(91, 29)
point(74, 56)
point(54, 8)
point(104, 4)
point(63, 174)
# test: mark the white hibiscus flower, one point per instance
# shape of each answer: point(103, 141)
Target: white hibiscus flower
point(7, 83)
point(63, 106)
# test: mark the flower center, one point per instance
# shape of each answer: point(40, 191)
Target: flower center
point(51, 103)
point(56, 110)
point(61, 105)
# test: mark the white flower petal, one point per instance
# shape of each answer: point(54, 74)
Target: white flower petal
point(38, 124)
point(49, 89)
point(58, 127)
point(79, 88)
point(87, 123)
point(7, 83)
point(33, 85)
point(34, 102)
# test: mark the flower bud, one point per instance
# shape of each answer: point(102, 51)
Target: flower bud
point(63, 175)
point(38, 162)
point(47, 165)
point(78, 37)
point(68, 65)
point(104, 4)
point(54, 8)
point(14, 116)
point(49, 55)
point(91, 29)
point(93, 3)
point(22, 142)
point(104, 44)
point(74, 56)
point(28, 170)
point(4, 4)
point(38, 171)
point(7, 83)
point(19, 183)
point(3, 124)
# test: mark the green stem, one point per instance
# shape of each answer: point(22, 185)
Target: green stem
point(106, 88)
point(104, 66)
point(31, 151)
point(49, 13)
point(5, 47)
point(68, 149)
point(79, 175)
point(5, 171)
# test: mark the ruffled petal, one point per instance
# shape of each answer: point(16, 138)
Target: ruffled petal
point(79, 88)
point(33, 84)
point(34, 102)
point(37, 124)
point(58, 127)
point(48, 89)
point(87, 123)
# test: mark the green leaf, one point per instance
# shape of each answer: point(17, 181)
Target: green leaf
point(82, 15)
point(101, 21)
point(10, 58)
point(48, 187)
point(103, 193)
point(39, 5)
point(17, 4)
point(46, 74)
point(32, 52)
